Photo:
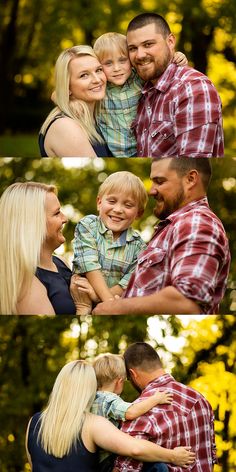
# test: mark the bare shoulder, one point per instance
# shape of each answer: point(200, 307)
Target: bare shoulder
point(66, 138)
point(35, 300)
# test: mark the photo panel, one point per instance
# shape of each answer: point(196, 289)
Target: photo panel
point(198, 351)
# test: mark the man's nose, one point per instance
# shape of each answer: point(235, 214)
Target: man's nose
point(153, 190)
point(140, 53)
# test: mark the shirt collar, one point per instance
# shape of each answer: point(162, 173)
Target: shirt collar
point(199, 202)
point(159, 382)
point(164, 81)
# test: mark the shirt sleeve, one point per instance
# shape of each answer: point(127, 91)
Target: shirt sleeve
point(140, 246)
point(198, 248)
point(117, 409)
point(85, 246)
point(197, 119)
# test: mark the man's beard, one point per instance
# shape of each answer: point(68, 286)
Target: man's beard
point(158, 71)
point(171, 206)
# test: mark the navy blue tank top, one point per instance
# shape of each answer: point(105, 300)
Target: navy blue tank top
point(78, 460)
point(100, 149)
point(58, 287)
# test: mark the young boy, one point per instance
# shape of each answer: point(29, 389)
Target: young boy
point(111, 374)
point(118, 109)
point(106, 247)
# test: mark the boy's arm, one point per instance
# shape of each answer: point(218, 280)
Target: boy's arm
point(140, 408)
point(96, 279)
point(116, 290)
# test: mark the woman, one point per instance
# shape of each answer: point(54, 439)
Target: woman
point(65, 436)
point(33, 281)
point(70, 128)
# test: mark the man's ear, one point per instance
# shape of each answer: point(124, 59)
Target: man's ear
point(192, 178)
point(133, 372)
point(171, 41)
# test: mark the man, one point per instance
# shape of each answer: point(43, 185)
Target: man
point(186, 264)
point(188, 421)
point(179, 113)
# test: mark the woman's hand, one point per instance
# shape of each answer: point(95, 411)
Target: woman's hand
point(182, 456)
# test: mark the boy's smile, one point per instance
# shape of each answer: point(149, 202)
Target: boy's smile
point(117, 211)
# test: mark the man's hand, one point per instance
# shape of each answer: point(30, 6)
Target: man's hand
point(110, 307)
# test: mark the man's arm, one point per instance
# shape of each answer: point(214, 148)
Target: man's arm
point(168, 301)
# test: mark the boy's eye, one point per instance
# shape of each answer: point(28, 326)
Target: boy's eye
point(123, 59)
point(107, 63)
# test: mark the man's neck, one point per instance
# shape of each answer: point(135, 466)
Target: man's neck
point(148, 377)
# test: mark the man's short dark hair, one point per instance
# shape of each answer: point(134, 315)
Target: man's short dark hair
point(143, 356)
point(182, 165)
point(145, 19)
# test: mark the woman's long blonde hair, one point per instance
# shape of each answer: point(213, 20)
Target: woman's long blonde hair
point(70, 401)
point(23, 229)
point(76, 109)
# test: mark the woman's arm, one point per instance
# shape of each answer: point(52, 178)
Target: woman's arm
point(35, 301)
point(110, 438)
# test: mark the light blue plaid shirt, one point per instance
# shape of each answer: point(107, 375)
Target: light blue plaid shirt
point(112, 407)
point(118, 110)
point(95, 249)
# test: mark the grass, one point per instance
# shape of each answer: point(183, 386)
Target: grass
point(26, 145)
point(19, 145)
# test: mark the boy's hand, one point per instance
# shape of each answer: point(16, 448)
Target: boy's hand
point(180, 59)
point(81, 283)
point(163, 397)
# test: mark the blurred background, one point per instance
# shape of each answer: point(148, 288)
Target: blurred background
point(198, 350)
point(78, 180)
point(34, 32)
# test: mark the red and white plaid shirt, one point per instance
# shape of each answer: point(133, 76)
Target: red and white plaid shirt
point(189, 251)
point(179, 116)
point(187, 421)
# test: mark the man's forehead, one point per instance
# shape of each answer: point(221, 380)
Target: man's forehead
point(160, 167)
point(147, 31)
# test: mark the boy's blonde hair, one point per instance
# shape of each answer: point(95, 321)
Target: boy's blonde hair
point(125, 182)
point(109, 44)
point(108, 367)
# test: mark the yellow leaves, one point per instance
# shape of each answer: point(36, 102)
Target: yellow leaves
point(66, 43)
point(11, 438)
point(211, 6)
point(218, 386)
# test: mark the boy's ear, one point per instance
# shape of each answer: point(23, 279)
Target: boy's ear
point(140, 213)
point(98, 203)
